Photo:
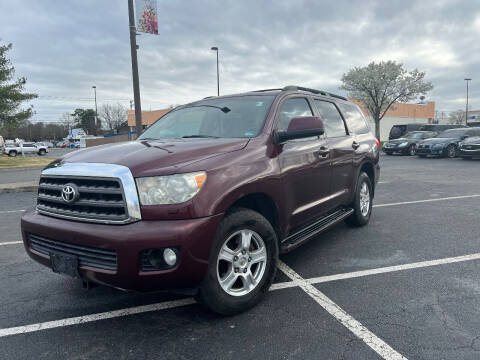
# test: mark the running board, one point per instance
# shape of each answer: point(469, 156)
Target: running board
point(300, 237)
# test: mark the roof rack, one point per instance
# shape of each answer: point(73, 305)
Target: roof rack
point(314, 91)
point(265, 90)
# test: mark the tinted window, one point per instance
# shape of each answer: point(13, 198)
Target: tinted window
point(292, 108)
point(332, 120)
point(233, 117)
point(355, 121)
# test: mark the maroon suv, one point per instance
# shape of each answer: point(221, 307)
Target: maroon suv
point(208, 196)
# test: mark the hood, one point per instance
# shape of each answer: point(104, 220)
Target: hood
point(472, 140)
point(438, 141)
point(156, 157)
point(401, 140)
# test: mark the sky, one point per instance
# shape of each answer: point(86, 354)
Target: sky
point(64, 47)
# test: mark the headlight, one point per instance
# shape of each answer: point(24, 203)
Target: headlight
point(172, 189)
point(403, 144)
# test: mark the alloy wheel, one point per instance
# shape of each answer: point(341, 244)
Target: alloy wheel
point(364, 199)
point(241, 262)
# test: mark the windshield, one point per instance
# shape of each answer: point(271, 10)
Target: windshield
point(414, 135)
point(233, 117)
point(456, 133)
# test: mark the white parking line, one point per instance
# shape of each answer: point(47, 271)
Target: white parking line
point(387, 269)
point(172, 304)
point(95, 317)
point(427, 200)
point(11, 211)
point(11, 243)
point(369, 338)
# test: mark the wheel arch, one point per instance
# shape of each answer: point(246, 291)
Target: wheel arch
point(263, 204)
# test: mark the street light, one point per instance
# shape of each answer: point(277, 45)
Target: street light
point(466, 110)
point(214, 48)
point(95, 93)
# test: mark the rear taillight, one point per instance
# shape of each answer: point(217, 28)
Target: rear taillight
point(377, 143)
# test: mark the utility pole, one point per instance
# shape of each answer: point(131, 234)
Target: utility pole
point(215, 48)
point(133, 50)
point(466, 109)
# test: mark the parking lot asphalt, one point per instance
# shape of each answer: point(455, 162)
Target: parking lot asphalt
point(405, 286)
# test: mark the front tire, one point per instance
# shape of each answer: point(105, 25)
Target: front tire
point(242, 265)
point(412, 150)
point(451, 151)
point(362, 204)
point(42, 152)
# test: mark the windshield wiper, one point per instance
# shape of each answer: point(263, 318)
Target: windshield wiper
point(199, 136)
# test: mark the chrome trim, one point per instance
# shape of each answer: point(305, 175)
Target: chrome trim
point(106, 171)
point(468, 150)
point(318, 202)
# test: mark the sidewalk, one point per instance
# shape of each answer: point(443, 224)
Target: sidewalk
point(19, 187)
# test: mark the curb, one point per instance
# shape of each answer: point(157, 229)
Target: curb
point(19, 187)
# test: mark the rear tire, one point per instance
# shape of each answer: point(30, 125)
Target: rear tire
point(362, 204)
point(12, 153)
point(243, 263)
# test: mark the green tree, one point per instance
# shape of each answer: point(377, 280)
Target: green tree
point(12, 93)
point(379, 85)
point(85, 119)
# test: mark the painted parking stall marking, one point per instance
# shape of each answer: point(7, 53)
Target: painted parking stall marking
point(11, 243)
point(95, 317)
point(188, 301)
point(11, 211)
point(369, 338)
point(427, 200)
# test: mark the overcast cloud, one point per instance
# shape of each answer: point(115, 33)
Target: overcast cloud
point(65, 47)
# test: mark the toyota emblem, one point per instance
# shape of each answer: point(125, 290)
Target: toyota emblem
point(69, 193)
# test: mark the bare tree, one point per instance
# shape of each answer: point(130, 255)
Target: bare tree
point(456, 117)
point(379, 85)
point(67, 120)
point(113, 117)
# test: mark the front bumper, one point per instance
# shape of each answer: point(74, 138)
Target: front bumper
point(469, 152)
point(194, 237)
point(430, 151)
point(396, 149)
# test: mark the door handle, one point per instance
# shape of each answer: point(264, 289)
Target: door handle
point(322, 152)
point(355, 145)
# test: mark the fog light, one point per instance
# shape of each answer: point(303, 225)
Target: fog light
point(169, 256)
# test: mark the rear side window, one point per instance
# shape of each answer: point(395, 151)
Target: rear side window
point(332, 120)
point(355, 121)
point(293, 108)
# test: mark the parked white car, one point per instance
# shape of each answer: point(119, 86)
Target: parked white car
point(15, 149)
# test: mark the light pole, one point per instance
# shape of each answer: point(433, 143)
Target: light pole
point(214, 48)
point(95, 94)
point(466, 109)
point(133, 52)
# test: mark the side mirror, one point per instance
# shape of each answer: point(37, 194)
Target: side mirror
point(301, 127)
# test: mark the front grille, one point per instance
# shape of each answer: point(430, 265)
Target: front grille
point(472, 147)
point(87, 255)
point(99, 199)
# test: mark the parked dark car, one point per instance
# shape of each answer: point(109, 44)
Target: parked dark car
point(440, 127)
point(446, 144)
point(400, 130)
point(470, 147)
point(208, 196)
point(407, 144)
